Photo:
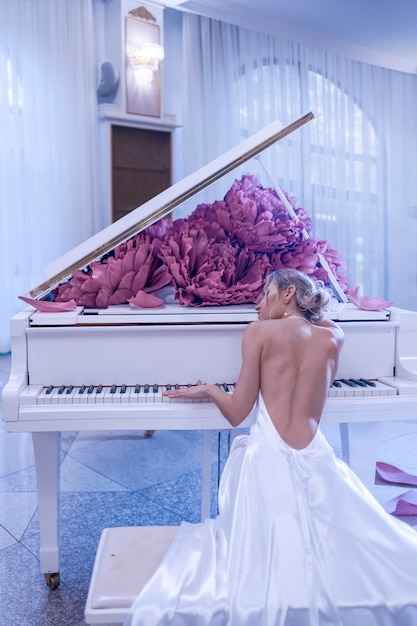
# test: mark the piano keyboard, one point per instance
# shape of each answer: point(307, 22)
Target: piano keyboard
point(153, 393)
point(359, 387)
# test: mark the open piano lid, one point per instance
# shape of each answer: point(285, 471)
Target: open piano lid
point(158, 207)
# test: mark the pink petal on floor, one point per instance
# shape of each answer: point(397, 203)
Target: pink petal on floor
point(47, 306)
point(391, 474)
point(404, 504)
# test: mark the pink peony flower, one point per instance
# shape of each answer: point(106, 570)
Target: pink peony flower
point(207, 272)
point(220, 254)
point(135, 266)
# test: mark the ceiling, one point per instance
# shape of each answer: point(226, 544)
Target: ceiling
point(380, 32)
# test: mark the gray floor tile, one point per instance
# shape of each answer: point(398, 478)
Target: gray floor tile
point(25, 598)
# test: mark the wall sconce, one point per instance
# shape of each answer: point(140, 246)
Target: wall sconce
point(145, 59)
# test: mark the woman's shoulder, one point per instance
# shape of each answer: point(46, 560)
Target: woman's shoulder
point(332, 327)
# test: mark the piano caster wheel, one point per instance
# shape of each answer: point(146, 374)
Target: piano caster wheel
point(53, 580)
point(149, 433)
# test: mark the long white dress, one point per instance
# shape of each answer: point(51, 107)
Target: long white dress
point(299, 541)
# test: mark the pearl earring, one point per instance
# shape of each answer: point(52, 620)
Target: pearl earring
point(285, 314)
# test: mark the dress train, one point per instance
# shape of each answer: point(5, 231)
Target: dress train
point(299, 541)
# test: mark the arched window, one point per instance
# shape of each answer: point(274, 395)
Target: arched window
point(334, 166)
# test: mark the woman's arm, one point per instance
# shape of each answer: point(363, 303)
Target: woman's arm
point(235, 406)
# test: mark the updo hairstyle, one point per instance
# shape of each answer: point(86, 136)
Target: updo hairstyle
point(311, 297)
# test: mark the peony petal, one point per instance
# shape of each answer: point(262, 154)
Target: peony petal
point(404, 504)
point(367, 303)
point(394, 475)
point(146, 300)
point(47, 306)
point(127, 280)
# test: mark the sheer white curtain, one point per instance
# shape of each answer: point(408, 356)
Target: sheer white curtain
point(351, 168)
point(48, 179)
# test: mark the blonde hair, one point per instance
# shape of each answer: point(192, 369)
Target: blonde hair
point(310, 297)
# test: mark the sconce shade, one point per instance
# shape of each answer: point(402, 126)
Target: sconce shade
point(107, 78)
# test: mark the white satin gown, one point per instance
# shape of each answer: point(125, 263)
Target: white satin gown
point(299, 541)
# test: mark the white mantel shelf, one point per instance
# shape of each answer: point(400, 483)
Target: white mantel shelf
point(113, 114)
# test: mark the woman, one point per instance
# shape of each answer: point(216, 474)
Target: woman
point(298, 540)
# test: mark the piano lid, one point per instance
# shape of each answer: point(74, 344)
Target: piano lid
point(158, 207)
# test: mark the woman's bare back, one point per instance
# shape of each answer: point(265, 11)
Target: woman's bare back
point(298, 363)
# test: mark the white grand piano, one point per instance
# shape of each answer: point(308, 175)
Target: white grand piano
point(106, 370)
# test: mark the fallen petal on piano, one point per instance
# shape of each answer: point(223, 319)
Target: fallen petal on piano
point(393, 475)
point(367, 303)
point(146, 300)
point(47, 306)
point(404, 504)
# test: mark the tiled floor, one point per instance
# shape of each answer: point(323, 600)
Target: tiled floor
point(113, 479)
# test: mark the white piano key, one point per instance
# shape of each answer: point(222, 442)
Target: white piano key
point(60, 394)
point(381, 389)
point(99, 394)
point(54, 396)
point(366, 386)
point(110, 395)
point(78, 396)
point(45, 395)
point(134, 394)
point(155, 391)
point(332, 392)
point(70, 391)
point(87, 396)
point(144, 393)
point(118, 394)
point(351, 389)
point(90, 394)
point(125, 394)
point(340, 390)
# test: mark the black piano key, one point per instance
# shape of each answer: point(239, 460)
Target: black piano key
point(69, 389)
point(90, 389)
point(146, 389)
point(61, 390)
point(177, 386)
point(347, 382)
point(358, 382)
point(225, 387)
point(49, 390)
point(81, 389)
point(113, 389)
point(123, 389)
point(336, 383)
point(370, 383)
point(99, 389)
point(168, 387)
point(137, 388)
point(155, 388)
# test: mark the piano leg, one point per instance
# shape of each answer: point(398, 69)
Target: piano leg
point(46, 449)
point(359, 449)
